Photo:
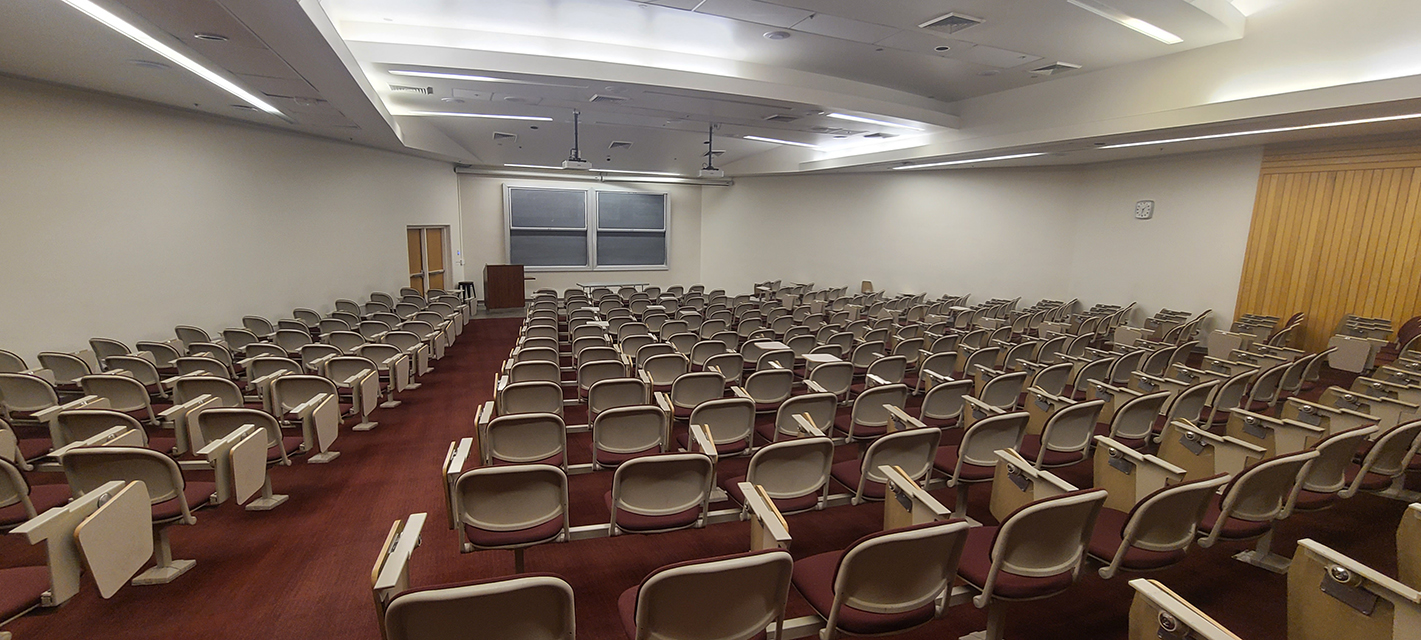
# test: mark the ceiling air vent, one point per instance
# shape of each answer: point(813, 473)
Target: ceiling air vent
point(781, 117)
point(951, 23)
point(1055, 68)
point(429, 91)
point(608, 99)
point(499, 136)
point(619, 144)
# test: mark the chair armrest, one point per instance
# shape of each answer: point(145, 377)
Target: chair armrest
point(982, 406)
point(740, 392)
point(806, 425)
point(815, 386)
point(898, 416)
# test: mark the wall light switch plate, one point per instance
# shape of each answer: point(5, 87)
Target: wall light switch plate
point(1144, 209)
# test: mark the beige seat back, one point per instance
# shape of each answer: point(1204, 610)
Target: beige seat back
point(770, 386)
point(1390, 455)
point(899, 570)
point(536, 354)
point(1230, 393)
point(66, 367)
point(88, 468)
point(266, 365)
point(14, 490)
point(1004, 390)
point(1136, 418)
point(188, 388)
point(10, 362)
point(1044, 538)
point(731, 365)
point(729, 419)
point(1093, 370)
point(912, 451)
point(782, 357)
point(1069, 429)
point(617, 392)
point(1189, 403)
point(528, 607)
point(313, 354)
point(219, 422)
point(891, 368)
point(590, 373)
point(1165, 520)
point(81, 424)
point(868, 408)
point(291, 391)
point(1328, 473)
point(346, 341)
point(650, 350)
point(530, 397)
point(123, 393)
point(526, 438)
point(1262, 492)
point(986, 436)
point(792, 468)
point(164, 355)
point(662, 485)
point(728, 598)
point(202, 365)
point(834, 377)
point(1123, 366)
point(692, 389)
point(945, 400)
point(663, 369)
point(27, 393)
point(105, 348)
point(629, 429)
point(820, 407)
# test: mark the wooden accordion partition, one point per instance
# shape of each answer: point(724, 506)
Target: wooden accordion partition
point(1336, 230)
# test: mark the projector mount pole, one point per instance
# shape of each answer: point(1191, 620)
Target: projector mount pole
point(576, 155)
point(710, 147)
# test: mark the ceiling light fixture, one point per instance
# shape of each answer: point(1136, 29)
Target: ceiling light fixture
point(531, 166)
point(1119, 17)
point(972, 161)
point(474, 78)
point(885, 123)
point(639, 173)
point(776, 35)
point(778, 141)
point(1235, 134)
point(210, 37)
point(491, 116)
point(137, 35)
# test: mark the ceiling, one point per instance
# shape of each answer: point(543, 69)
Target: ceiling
point(649, 78)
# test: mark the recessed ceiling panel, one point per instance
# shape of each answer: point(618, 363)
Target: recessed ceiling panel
point(836, 27)
point(752, 11)
point(278, 86)
point(189, 17)
point(994, 57)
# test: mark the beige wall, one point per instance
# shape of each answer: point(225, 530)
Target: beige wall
point(1066, 232)
point(121, 219)
point(481, 206)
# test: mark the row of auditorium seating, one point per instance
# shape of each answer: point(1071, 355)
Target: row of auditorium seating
point(115, 420)
point(1216, 485)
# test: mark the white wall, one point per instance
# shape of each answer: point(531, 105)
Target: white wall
point(1059, 233)
point(481, 206)
point(121, 219)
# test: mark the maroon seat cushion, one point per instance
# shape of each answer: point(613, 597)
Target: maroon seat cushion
point(845, 421)
point(721, 448)
point(936, 423)
point(1373, 481)
point(637, 522)
point(197, 494)
point(43, 496)
point(555, 460)
point(532, 535)
point(767, 431)
point(785, 505)
point(1258, 406)
point(610, 459)
point(946, 461)
point(849, 472)
point(814, 576)
point(164, 444)
point(977, 563)
point(1233, 528)
point(681, 413)
point(767, 407)
point(23, 588)
point(1031, 446)
point(292, 444)
point(31, 448)
point(1314, 500)
point(1109, 532)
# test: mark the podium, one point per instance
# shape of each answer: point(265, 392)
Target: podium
point(503, 286)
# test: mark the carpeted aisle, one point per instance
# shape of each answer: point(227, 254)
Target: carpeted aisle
point(303, 570)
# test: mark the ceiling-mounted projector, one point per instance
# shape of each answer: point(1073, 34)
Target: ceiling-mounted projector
point(712, 172)
point(577, 164)
point(574, 160)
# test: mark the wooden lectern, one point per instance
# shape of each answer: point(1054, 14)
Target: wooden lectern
point(503, 286)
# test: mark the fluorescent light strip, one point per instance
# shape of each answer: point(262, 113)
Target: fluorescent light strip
point(885, 123)
point(531, 166)
point(777, 141)
point(1235, 134)
point(463, 76)
point(1115, 15)
point(974, 160)
point(491, 116)
point(137, 35)
point(639, 173)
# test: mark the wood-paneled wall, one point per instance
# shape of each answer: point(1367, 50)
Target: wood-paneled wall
point(1336, 229)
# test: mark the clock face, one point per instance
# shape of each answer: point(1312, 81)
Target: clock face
point(1145, 209)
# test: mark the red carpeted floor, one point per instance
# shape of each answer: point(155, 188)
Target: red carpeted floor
point(303, 570)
